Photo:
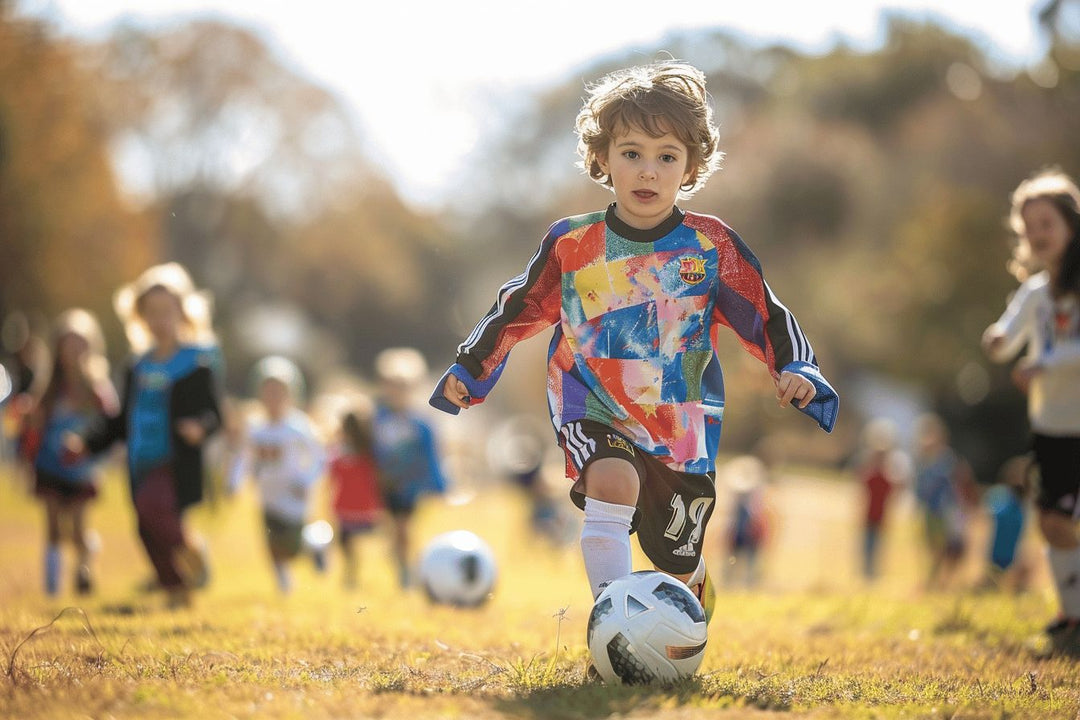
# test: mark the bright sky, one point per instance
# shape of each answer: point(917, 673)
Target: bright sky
point(442, 57)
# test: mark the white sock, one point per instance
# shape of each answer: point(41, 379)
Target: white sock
point(699, 575)
point(605, 542)
point(1065, 566)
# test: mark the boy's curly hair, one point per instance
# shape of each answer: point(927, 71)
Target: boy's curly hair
point(659, 98)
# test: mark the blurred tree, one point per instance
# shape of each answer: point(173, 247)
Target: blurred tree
point(209, 104)
point(262, 188)
point(66, 236)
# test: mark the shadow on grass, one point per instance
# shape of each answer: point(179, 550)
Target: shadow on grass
point(569, 701)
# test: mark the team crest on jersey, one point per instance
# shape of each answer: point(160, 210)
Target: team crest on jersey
point(692, 269)
point(620, 443)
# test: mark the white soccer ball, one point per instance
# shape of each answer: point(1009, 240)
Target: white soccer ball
point(458, 568)
point(646, 627)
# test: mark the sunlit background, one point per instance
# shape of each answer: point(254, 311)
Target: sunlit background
point(344, 180)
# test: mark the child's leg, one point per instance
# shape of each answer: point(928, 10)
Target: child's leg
point(1064, 556)
point(160, 527)
point(401, 547)
point(83, 577)
point(52, 545)
point(350, 557)
point(1058, 459)
point(282, 574)
point(611, 488)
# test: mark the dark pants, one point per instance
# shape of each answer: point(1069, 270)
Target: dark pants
point(159, 525)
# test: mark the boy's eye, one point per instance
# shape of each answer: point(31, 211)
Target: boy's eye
point(668, 158)
point(631, 155)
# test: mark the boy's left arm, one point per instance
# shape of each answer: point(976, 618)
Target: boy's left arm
point(770, 332)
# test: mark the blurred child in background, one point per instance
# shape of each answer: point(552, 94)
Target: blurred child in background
point(27, 363)
point(749, 523)
point(943, 483)
point(405, 447)
point(77, 391)
point(883, 468)
point(354, 482)
point(1006, 504)
point(1044, 316)
point(285, 457)
point(170, 407)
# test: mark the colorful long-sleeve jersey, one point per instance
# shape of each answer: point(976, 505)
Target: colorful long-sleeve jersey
point(638, 314)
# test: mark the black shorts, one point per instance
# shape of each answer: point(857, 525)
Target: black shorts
point(47, 485)
point(673, 507)
point(1058, 459)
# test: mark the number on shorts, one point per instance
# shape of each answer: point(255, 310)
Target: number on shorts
point(680, 513)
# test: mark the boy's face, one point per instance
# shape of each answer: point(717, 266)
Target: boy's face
point(274, 396)
point(646, 174)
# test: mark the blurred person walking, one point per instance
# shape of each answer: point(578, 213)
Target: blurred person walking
point(1044, 316)
point(170, 407)
point(883, 468)
point(405, 447)
point(77, 391)
point(285, 457)
point(749, 526)
point(1006, 504)
point(355, 487)
point(943, 486)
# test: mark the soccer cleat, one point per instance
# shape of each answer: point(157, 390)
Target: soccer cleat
point(193, 566)
point(84, 581)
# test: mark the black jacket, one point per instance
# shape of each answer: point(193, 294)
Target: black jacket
point(192, 396)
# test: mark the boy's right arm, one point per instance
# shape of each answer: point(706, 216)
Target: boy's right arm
point(525, 305)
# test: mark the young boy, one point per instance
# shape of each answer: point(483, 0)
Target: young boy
point(639, 292)
point(284, 455)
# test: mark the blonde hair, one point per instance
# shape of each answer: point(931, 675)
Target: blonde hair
point(404, 364)
point(1053, 185)
point(93, 366)
point(660, 98)
point(196, 306)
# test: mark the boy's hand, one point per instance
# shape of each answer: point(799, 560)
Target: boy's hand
point(793, 386)
point(191, 430)
point(455, 391)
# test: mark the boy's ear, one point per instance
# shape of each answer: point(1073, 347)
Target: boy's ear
point(690, 177)
point(602, 163)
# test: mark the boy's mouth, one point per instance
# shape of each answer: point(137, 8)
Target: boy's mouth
point(644, 194)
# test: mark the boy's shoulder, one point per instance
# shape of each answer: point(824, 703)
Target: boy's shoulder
point(711, 227)
point(573, 224)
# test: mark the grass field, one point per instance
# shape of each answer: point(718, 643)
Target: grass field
point(813, 642)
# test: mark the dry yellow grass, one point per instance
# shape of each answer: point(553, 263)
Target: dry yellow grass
point(813, 643)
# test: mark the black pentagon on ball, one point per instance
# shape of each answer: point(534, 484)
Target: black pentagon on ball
point(600, 611)
point(627, 666)
point(679, 597)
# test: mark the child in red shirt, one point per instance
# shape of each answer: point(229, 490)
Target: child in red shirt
point(357, 498)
